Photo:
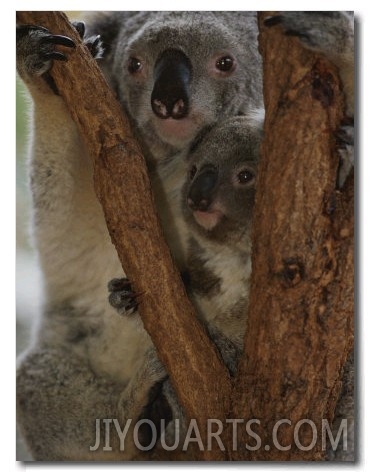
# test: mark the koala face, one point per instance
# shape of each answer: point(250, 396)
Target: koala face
point(181, 71)
point(218, 195)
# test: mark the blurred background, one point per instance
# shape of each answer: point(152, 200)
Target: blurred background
point(28, 277)
point(28, 280)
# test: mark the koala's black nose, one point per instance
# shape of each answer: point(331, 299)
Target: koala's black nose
point(201, 192)
point(172, 75)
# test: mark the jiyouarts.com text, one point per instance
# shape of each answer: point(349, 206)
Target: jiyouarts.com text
point(130, 430)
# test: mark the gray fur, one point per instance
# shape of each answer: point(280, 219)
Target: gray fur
point(203, 37)
point(218, 258)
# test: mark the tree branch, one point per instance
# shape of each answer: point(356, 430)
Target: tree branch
point(300, 326)
point(123, 188)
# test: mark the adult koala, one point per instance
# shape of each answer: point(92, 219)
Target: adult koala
point(175, 74)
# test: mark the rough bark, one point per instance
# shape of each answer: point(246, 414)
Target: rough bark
point(300, 326)
point(123, 188)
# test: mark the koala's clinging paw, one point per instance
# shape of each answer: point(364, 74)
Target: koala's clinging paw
point(93, 43)
point(36, 45)
point(121, 297)
point(36, 50)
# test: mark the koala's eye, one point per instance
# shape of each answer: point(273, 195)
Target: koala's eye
point(225, 64)
point(134, 65)
point(245, 176)
point(192, 172)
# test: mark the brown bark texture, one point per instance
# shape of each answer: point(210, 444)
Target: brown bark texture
point(300, 327)
point(123, 188)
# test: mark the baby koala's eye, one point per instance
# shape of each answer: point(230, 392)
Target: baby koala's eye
point(134, 65)
point(245, 176)
point(192, 172)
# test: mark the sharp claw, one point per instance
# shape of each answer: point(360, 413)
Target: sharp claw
point(58, 56)
point(96, 41)
point(116, 285)
point(128, 312)
point(59, 40)
point(131, 305)
point(126, 309)
point(122, 298)
point(80, 28)
point(131, 296)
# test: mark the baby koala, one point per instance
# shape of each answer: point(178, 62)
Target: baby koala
point(217, 200)
point(217, 203)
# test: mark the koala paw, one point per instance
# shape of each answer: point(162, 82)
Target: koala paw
point(121, 297)
point(93, 43)
point(36, 49)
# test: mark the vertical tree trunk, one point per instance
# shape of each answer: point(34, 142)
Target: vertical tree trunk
point(300, 325)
